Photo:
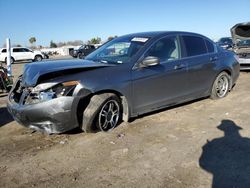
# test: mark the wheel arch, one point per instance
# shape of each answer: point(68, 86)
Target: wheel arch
point(38, 55)
point(124, 102)
point(86, 95)
point(10, 57)
point(229, 72)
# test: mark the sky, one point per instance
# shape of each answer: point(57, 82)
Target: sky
point(68, 20)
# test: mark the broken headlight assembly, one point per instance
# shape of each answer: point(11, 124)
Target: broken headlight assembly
point(47, 91)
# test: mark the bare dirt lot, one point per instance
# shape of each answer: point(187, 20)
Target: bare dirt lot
point(200, 144)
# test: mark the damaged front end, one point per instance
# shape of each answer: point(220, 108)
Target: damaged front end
point(48, 107)
point(241, 39)
point(47, 95)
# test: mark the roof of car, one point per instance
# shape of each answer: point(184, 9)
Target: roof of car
point(159, 33)
point(14, 47)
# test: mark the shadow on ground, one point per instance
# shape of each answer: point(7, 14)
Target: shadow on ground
point(5, 117)
point(228, 157)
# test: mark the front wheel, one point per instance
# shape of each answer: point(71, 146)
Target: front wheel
point(80, 56)
point(103, 113)
point(221, 86)
point(11, 60)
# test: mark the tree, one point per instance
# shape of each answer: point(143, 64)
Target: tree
point(112, 37)
point(75, 43)
point(32, 40)
point(52, 44)
point(16, 45)
point(96, 40)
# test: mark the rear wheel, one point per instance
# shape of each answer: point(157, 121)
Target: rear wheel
point(103, 113)
point(221, 86)
point(38, 58)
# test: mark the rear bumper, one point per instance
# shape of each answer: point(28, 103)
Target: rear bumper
point(244, 63)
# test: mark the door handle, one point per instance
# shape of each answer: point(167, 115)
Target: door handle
point(181, 66)
point(212, 59)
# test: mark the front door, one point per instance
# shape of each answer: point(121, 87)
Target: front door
point(163, 84)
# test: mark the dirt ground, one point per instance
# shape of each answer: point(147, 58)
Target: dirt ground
point(200, 144)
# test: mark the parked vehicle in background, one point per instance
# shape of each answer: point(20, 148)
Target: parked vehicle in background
point(5, 81)
point(241, 38)
point(21, 54)
point(45, 55)
point(83, 51)
point(225, 42)
point(125, 77)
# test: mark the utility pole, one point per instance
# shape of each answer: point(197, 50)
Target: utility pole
point(8, 48)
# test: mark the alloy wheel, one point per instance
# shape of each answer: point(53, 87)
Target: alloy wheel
point(222, 86)
point(109, 115)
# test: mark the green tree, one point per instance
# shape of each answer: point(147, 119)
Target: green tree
point(32, 40)
point(96, 40)
point(52, 44)
point(112, 37)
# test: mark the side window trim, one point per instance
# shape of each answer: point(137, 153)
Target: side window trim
point(214, 46)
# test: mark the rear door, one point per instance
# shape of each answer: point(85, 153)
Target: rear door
point(201, 59)
point(163, 84)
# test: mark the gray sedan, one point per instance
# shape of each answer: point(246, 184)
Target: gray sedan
point(126, 77)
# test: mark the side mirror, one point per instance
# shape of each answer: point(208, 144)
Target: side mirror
point(150, 61)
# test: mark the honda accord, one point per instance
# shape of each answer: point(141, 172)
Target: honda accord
point(128, 76)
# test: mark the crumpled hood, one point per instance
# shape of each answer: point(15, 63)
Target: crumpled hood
point(33, 71)
point(240, 31)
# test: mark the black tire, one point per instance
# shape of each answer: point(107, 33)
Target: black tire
point(38, 58)
point(80, 55)
point(92, 115)
point(12, 60)
point(221, 86)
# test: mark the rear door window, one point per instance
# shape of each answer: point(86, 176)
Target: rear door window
point(3, 50)
point(194, 45)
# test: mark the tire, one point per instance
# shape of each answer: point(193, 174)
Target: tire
point(221, 86)
point(38, 58)
point(12, 60)
point(80, 56)
point(103, 113)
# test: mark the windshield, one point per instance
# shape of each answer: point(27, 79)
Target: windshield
point(225, 40)
point(120, 50)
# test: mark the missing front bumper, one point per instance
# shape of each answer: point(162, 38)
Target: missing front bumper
point(54, 116)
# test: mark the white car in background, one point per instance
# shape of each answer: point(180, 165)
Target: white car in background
point(21, 54)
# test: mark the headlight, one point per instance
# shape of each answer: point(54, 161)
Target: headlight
point(48, 91)
point(64, 89)
point(43, 87)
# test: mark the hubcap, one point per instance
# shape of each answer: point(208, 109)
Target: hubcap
point(222, 86)
point(109, 115)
